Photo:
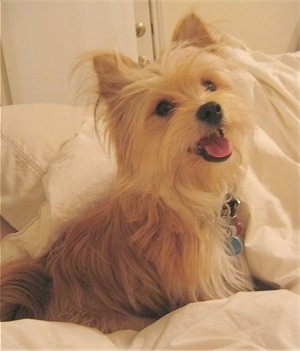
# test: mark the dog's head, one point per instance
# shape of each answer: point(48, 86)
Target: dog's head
point(179, 118)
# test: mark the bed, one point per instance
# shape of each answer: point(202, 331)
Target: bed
point(53, 166)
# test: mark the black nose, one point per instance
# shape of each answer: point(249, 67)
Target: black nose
point(211, 113)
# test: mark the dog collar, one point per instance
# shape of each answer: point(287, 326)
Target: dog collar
point(233, 226)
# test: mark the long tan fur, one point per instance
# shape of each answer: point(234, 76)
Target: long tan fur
point(158, 242)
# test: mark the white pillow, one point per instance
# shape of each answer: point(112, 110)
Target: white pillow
point(81, 172)
point(31, 136)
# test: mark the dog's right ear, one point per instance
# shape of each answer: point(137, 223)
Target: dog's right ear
point(113, 72)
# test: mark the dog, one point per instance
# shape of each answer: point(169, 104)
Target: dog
point(167, 235)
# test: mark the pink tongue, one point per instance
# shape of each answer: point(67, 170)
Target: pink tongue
point(215, 145)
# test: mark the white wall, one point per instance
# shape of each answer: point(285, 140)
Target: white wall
point(269, 26)
point(41, 39)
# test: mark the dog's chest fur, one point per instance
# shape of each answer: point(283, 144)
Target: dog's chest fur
point(139, 257)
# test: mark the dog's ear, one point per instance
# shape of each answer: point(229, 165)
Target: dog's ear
point(191, 28)
point(113, 72)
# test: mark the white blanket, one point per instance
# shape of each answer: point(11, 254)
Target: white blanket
point(262, 320)
point(256, 320)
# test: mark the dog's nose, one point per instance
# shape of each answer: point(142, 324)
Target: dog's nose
point(211, 113)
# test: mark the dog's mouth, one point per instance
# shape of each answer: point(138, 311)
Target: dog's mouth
point(214, 147)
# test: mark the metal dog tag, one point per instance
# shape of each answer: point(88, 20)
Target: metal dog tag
point(233, 204)
point(236, 245)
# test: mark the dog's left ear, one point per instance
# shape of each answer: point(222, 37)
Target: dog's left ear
point(192, 29)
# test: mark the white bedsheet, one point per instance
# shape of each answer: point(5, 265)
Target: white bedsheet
point(256, 320)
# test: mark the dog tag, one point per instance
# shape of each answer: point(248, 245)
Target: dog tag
point(236, 245)
point(231, 230)
point(238, 225)
point(233, 204)
point(225, 211)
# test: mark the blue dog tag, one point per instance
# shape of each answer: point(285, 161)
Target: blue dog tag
point(236, 245)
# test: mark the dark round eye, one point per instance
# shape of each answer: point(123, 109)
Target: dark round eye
point(209, 85)
point(164, 107)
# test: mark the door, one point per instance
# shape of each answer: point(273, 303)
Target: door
point(41, 40)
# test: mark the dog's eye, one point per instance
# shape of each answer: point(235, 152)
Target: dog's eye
point(209, 85)
point(163, 108)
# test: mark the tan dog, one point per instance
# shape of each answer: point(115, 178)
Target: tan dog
point(162, 240)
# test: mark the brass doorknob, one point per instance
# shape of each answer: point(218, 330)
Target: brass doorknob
point(143, 61)
point(140, 29)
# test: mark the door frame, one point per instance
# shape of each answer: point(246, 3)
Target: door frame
point(158, 33)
